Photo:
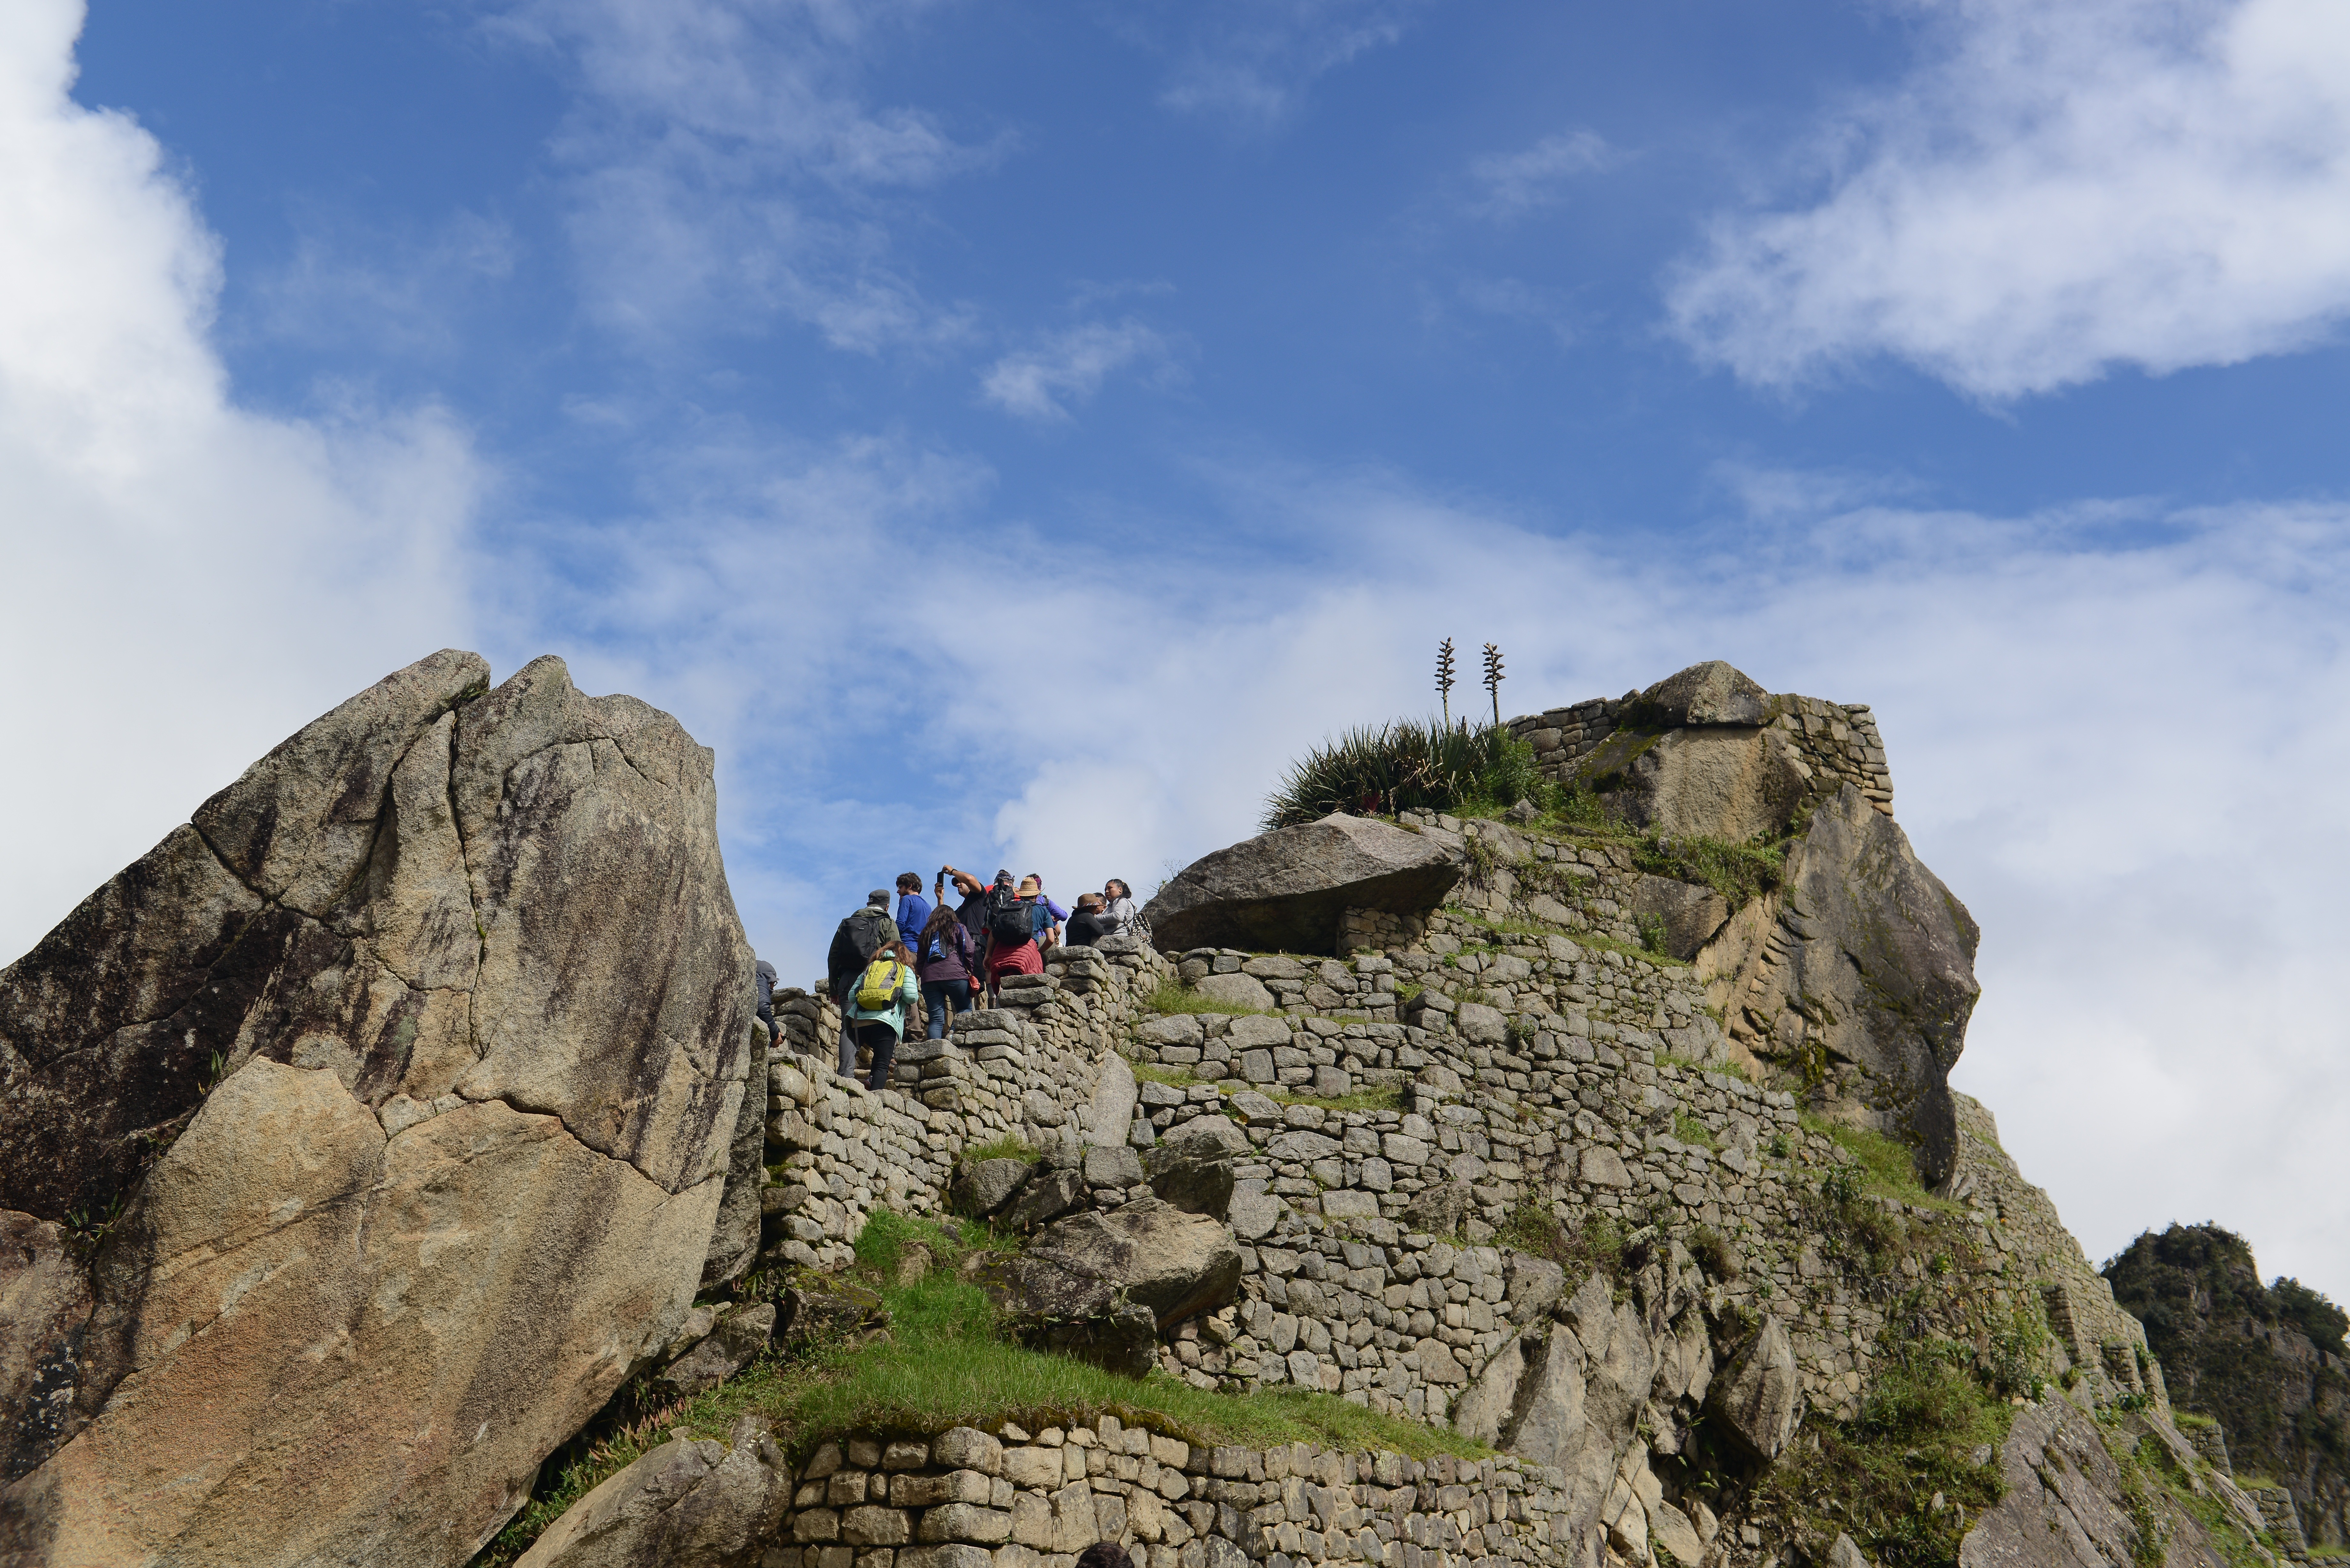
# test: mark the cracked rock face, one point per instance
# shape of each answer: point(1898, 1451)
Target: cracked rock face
point(1859, 976)
point(356, 1140)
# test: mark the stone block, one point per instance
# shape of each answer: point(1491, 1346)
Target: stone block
point(1254, 1214)
point(1346, 1204)
point(967, 1449)
point(875, 1525)
point(1031, 1520)
point(1112, 1166)
point(1602, 1168)
point(954, 1554)
point(966, 1522)
point(1250, 1033)
point(1039, 1468)
point(1237, 992)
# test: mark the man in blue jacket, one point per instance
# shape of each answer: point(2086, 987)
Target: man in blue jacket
point(913, 912)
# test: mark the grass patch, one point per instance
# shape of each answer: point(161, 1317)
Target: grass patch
point(1738, 872)
point(1692, 1064)
point(1609, 944)
point(1877, 1477)
point(1597, 1246)
point(1388, 1097)
point(1409, 764)
point(1688, 1129)
point(941, 1363)
point(1653, 935)
point(1174, 997)
point(1888, 1170)
point(1157, 1072)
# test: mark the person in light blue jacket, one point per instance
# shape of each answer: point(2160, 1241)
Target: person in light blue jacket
point(879, 1029)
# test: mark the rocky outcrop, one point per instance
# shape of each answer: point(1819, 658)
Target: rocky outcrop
point(1696, 754)
point(2069, 1504)
point(1594, 1388)
point(356, 1140)
point(2267, 1362)
point(1690, 914)
point(1287, 890)
point(1857, 978)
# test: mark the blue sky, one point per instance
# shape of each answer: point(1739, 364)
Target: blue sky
point(1008, 433)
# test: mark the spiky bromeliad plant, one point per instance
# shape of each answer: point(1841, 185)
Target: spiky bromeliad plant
point(1409, 763)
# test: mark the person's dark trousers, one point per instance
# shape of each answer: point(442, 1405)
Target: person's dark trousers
point(882, 1040)
point(934, 991)
point(841, 986)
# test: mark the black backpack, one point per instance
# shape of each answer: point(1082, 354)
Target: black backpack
point(858, 939)
point(1008, 920)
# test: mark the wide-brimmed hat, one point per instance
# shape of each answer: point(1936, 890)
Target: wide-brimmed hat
point(1027, 883)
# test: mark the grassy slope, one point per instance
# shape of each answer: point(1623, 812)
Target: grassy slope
point(940, 1364)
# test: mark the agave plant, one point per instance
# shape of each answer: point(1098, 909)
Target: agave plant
point(1424, 764)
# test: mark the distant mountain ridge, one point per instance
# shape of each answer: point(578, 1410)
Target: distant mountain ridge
point(2267, 1362)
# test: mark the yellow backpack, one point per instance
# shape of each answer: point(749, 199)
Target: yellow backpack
point(878, 992)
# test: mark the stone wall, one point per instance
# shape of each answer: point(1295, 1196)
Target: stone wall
point(2101, 1342)
point(1039, 1067)
point(1838, 740)
point(1538, 1071)
point(1513, 1059)
point(1014, 1499)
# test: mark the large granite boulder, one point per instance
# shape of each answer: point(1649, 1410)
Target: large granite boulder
point(689, 1504)
point(367, 1132)
point(1735, 781)
point(1286, 891)
point(1101, 1286)
point(1713, 693)
point(1754, 1399)
point(1858, 976)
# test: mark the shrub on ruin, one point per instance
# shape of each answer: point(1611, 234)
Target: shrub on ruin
point(1900, 1479)
point(1409, 764)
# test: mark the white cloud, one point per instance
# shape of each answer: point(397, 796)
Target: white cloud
point(350, 285)
point(1248, 63)
point(2057, 192)
point(186, 581)
point(1039, 383)
point(1513, 183)
point(727, 171)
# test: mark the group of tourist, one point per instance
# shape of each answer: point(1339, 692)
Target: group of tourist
point(884, 964)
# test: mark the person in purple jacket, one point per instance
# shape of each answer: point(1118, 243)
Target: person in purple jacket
point(946, 960)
